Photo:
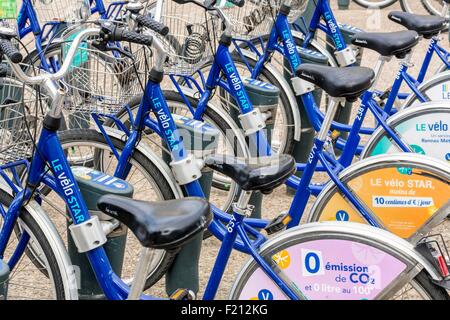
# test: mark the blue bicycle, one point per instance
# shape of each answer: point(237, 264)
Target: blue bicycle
point(359, 80)
point(268, 275)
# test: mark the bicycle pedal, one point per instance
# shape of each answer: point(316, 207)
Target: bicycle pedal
point(183, 294)
point(278, 224)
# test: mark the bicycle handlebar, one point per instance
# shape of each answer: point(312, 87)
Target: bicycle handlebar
point(153, 25)
point(108, 32)
point(41, 78)
point(10, 51)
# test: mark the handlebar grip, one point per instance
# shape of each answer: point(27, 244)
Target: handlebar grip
point(8, 49)
point(119, 34)
point(156, 26)
point(239, 3)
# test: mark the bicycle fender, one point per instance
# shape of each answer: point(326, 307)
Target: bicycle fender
point(397, 119)
point(373, 177)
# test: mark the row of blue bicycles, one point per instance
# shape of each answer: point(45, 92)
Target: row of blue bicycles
point(133, 132)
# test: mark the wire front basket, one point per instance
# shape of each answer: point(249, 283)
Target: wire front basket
point(103, 82)
point(21, 113)
point(59, 10)
point(256, 17)
point(188, 43)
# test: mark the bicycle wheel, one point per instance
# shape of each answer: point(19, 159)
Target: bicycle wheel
point(224, 190)
point(53, 280)
point(88, 148)
point(277, 60)
point(375, 4)
point(338, 261)
point(436, 88)
point(413, 126)
point(434, 7)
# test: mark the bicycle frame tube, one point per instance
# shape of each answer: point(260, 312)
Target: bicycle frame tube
point(154, 100)
point(323, 10)
point(223, 63)
point(413, 84)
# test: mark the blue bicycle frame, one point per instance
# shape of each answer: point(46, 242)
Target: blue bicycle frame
point(50, 153)
point(328, 163)
point(234, 235)
point(331, 28)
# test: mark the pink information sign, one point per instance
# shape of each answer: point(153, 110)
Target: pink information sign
point(328, 269)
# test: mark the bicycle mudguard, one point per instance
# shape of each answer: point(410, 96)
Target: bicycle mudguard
point(332, 260)
point(59, 249)
point(436, 88)
point(406, 194)
point(426, 128)
point(318, 47)
point(151, 156)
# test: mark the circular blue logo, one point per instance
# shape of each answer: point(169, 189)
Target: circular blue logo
point(342, 215)
point(447, 157)
point(265, 294)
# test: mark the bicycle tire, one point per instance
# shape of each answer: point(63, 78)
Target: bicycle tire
point(433, 89)
point(404, 122)
point(389, 203)
point(429, 8)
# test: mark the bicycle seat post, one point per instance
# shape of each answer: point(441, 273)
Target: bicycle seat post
point(241, 206)
point(329, 116)
point(140, 276)
point(379, 68)
point(445, 9)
